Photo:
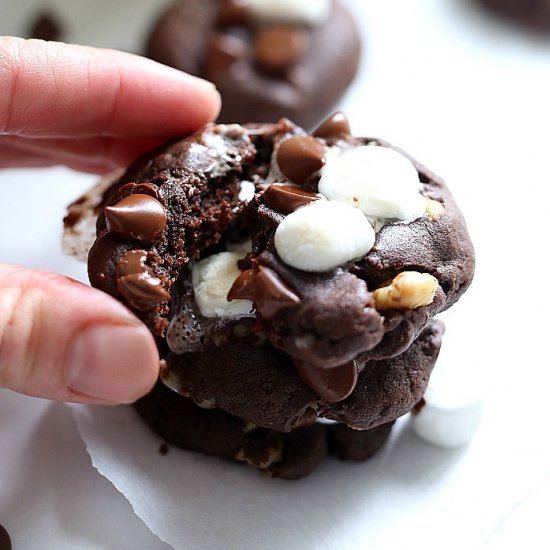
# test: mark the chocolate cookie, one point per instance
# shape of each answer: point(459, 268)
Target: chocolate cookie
point(292, 455)
point(283, 273)
point(268, 58)
point(260, 384)
point(531, 13)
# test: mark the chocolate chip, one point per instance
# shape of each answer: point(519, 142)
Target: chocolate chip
point(418, 407)
point(45, 27)
point(141, 290)
point(233, 12)
point(223, 50)
point(265, 288)
point(5, 540)
point(131, 262)
point(287, 198)
point(335, 126)
point(333, 384)
point(136, 285)
point(164, 449)
point(280, 46)
point(299, 157)
point(139, 217)
point(140, 188)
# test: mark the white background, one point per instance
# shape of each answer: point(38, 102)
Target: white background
point(469, 97)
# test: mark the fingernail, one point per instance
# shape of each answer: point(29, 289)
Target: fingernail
point(112, 364)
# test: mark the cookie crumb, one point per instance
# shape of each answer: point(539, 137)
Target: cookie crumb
point(418, 407)
point(46, 27)
point(164, 449)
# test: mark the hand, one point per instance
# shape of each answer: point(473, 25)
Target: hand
point(92, 110)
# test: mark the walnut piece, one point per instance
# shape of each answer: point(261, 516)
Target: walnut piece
point(434, 209)
point(408, 290)
point(272, 455)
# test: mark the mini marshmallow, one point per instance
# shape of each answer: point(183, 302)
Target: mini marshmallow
point(212, 280)
point(246, 191)
point(323, 235)
point(378, 180)
point(307, 12)
point(445, 423)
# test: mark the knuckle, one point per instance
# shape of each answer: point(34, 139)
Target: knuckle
point(21, 314)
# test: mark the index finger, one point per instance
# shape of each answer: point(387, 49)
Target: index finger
point(50, 89)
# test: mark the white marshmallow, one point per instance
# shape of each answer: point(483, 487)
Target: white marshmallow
point(323, 235)
point(246, 191)
point(212, 280)
point(308, 12)
point(378, 180)
point(445, 423)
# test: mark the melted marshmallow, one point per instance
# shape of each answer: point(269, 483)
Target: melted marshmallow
point(323, 235)
point(378, 180)
point(212, 280)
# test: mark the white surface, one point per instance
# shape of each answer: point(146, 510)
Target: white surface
point(468, 97)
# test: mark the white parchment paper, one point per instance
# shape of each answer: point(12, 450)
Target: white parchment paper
point(410, 490)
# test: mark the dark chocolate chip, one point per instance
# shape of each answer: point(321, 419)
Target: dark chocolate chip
point(5, 539)
point(418, 407)
point(164, 449)
point(223, 50)
point(287, 198)
point(280, 46)
point(131, 263)
point(335, 126)
point(233, 12)
point(299, 157)
point(141, 291)
point(333, 384)
point(139, 217)
point(265, 288)
point(143, 188)
point(45, 27)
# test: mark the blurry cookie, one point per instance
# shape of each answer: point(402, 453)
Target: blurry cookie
point(268, 58)
point(531, 13)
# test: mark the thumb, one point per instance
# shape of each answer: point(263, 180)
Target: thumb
point(62, 340)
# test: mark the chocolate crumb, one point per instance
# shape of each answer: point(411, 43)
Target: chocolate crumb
point(418, 407)
point(46, 27)
point(164, 449)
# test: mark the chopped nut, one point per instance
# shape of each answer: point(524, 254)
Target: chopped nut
point(272, 456)
point(434, 209)
point(249, 427)
point(408, 290)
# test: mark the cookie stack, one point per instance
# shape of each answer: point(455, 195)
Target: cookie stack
point(291, 281)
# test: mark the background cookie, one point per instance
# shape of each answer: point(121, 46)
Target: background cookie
point(531, 13)
point(268, 59)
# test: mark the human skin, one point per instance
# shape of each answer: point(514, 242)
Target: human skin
point(92, 110)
